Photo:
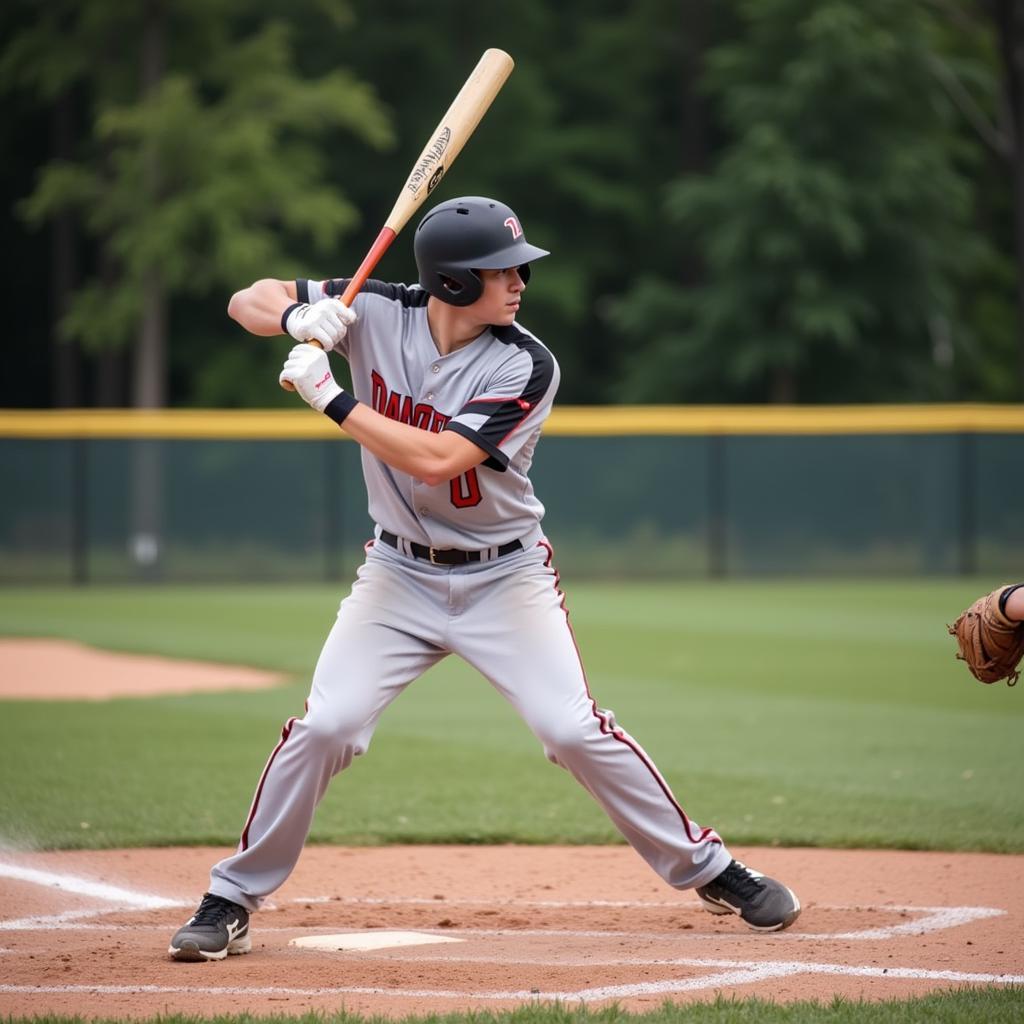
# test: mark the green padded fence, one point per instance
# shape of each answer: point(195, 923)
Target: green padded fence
point(112, 496)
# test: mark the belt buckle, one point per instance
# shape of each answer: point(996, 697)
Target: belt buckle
point(433, 558)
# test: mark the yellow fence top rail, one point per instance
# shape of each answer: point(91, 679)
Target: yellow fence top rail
point(566, 421)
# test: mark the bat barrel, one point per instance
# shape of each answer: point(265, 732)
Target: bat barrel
point(451, 134)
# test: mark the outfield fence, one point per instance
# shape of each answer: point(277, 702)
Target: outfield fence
point(105, 496)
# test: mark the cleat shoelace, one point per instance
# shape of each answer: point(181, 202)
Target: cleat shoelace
point(738, 879)
point(213, 910)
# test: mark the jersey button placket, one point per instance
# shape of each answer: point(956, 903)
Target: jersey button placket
point(435, 368)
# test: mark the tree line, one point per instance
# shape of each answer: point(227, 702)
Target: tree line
point(746, 201)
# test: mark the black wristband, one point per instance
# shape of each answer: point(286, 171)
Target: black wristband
point(1005, 596)
point(285, 314)
point(340, 406)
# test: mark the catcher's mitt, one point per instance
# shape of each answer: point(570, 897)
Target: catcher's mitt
point(990, 643)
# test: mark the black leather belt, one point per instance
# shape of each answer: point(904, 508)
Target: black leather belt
point(446, 556)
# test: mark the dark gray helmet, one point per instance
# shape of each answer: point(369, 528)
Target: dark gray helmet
point(462, 236)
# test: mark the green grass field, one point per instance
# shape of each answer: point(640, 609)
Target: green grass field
point(794, 713)
point(990, 1006)
point(797, 713)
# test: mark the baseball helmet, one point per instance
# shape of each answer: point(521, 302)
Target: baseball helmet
point(459, 237)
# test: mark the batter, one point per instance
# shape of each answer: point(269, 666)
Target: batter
point(450, 394)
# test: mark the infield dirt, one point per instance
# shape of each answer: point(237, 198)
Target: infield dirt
point(577, 924)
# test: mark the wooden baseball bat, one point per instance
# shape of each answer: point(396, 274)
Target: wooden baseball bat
point(445, 144)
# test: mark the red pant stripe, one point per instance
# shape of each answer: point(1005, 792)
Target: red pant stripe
point(708, 834)
point(285, 733)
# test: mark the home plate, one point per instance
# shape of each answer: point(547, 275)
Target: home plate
point(368, 940)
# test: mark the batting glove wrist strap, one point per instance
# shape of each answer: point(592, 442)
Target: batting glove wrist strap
point(340, 406)
point(326, 322)
point(287, 313)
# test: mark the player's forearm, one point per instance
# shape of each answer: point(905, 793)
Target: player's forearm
point(258, 308)
point(424, 455)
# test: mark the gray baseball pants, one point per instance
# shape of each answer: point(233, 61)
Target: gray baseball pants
point(506, 618)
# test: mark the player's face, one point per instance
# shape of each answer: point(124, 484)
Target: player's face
point(499, 302)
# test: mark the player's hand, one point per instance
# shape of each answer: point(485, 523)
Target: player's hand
point(309, 371)
point(326, 322)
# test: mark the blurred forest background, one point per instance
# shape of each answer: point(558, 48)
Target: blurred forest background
point(747, 200)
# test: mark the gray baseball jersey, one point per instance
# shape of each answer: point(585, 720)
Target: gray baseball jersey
point(496, 391)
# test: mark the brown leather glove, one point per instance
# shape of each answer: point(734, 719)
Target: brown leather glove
point(990, 643)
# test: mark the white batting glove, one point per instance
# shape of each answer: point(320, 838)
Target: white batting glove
point(326, 321)
point(309, 371)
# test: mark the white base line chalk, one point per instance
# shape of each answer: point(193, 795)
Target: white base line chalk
point(927, 919)
point(729, 974)
point(930, 919)
point(86, 887)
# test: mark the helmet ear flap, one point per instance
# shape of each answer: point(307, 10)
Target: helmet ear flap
point(460, 288)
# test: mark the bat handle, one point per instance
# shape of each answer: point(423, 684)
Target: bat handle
point(355, 285)
point(370, 260)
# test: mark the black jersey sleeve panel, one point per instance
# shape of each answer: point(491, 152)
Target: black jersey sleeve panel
point(543, 367)
point(400, 293)
point(504, 414)
point(496, 458)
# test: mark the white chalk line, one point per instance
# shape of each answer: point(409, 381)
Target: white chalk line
point(589, 960)
point(124, 899)
point(729, 974)
point(86, 887)
point(60, 923)
point(441, 901)
point(931, 919)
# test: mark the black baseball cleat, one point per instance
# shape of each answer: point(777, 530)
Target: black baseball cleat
point(217, 928)
point(764, 904)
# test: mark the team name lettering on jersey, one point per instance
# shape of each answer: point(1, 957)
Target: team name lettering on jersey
point(397, 406)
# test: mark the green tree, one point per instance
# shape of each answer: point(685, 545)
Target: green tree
point(1009, 19)
point(201, 167)
point(835, 231)
point(579, 141)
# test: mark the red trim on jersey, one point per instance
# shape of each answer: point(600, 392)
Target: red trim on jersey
point(708, 834)
point(514, 429)
point(285, 733)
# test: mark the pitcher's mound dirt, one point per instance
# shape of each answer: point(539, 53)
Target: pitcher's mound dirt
point(43, 669)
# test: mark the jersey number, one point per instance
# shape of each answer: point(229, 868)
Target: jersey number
point(465, 490)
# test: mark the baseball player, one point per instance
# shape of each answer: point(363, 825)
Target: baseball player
point(449, 396)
